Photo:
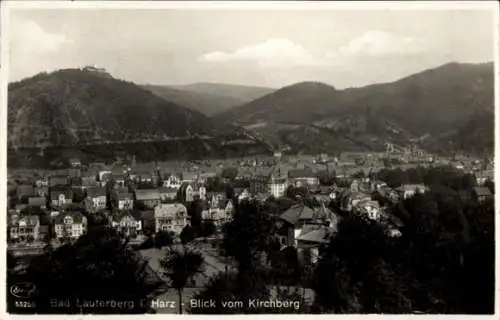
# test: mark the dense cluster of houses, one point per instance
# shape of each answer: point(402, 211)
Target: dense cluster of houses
point(139, 202)
point(59, 206)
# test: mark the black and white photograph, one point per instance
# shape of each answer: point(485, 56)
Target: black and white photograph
point(217, 158)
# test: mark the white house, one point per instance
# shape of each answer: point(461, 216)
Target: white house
point(369, 208)
point(170, 217)
point(128, 223)
point(70, 225)
point(172, 181)
point(409, 190)
point(97, 198)
point(61, 198)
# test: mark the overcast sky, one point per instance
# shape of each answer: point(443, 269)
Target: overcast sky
point(265, 48)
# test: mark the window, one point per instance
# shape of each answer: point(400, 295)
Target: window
point(68, 220)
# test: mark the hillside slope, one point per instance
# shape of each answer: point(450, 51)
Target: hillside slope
point(206, 103)
point(437, 103)
point(295, 103)
point(90, 112)
point(238, 92)
point(71, 107)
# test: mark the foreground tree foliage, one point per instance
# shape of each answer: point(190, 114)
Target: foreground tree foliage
point(188, 234)
point(163, 239)
point(246, 239)
point(180, 266)
point(443, 263)
point(98, 268)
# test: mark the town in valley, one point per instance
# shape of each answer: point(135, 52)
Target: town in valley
point(241, 161)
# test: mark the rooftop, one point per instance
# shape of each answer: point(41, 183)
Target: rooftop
point(297, 212)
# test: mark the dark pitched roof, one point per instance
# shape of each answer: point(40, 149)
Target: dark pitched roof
point(76, 181)
point(315, 233)
point(189, 176)
point(124, 196)
point(37, 201)
point(25, 190)
point(167, 190)
point(31, 220)
point(482, 191)
point(58, 180)
point(325, 190)
point(324, 213)
point(297, 212)
point(118, 216)
point(96, 192)
point(68, 194)
point(120, 190)
point(147, 194)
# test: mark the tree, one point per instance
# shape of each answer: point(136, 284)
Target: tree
point(248, 238)
point(326, 178)
point(229, 173)
point(296, 192)
point(490, 185)
point(446, 238)
point(352, 276)
point(187, 234)
point(359, 175)
point(208, 228)
point(180, 267)
point(162, 239)
point(99, 266)
point(288, 269)
point(195, 210)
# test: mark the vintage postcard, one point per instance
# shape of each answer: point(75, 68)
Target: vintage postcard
point(217, 158)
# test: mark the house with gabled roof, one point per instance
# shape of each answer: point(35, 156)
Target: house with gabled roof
point(122, 199)
point(277, 186)
point(149, 198)
point(39, 202)
point(23, 228)
point(75, 162)
point(170, 217)
point(41, 191)
point(127, 223)
point(291, 221)
point(258, 184)
point(350, 199)
point(481, 194)
point(219, 212)
point(42, 181)
point(188, 177)
point(61, 197)
point(69, 225)
point(369, 209)
point(311, 240)
point(167, 194)
point(483, 176)
point(409, 190)
point(96, 199)
point(89, 179)
point(24, 191)
point(171, 181)
point(302, 177)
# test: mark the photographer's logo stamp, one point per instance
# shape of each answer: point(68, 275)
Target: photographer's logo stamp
point(23, 290)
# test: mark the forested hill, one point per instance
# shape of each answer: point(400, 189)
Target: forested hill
point(435, 106)
point(73, 107)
